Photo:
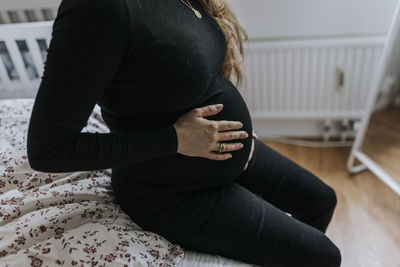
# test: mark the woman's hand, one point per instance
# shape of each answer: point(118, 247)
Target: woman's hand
point(199, 137)
point(255, 136)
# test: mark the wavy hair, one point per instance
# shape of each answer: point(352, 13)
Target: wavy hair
point(235, 35)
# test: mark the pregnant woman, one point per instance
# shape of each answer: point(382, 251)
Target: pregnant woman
point(182, 165)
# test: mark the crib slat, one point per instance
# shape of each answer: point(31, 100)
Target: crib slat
point(1, 17)
point(53, 13)
point(5, 80)
point(21, 15)
point(48, 39)
point(6, 17)
point(18, 62)
point(34, 50)
point(38, 14)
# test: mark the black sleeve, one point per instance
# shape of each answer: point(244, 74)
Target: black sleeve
point(89, 40)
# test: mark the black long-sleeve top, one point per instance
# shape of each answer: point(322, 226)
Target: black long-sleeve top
point(145, 63)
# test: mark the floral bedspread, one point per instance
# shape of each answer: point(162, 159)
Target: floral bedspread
point(65, 219)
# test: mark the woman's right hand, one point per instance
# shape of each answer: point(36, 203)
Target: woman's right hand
point(199, 137)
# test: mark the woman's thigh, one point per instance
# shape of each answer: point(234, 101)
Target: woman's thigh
point(233, 222)
point(288, 186)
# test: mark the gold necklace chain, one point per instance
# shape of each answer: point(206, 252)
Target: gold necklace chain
point(195, 11)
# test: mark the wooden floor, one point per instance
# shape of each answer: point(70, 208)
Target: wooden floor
point(366, 222)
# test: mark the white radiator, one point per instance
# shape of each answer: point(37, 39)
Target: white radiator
point(295, 84)
point(299, 79)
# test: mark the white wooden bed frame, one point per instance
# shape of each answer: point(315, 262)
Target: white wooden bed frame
point(25, 33)
point(18, 79)
point(16, 11)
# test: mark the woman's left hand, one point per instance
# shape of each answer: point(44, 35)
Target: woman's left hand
point(255, 136)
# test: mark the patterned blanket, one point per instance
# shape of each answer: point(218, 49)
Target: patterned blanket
point(65, 219)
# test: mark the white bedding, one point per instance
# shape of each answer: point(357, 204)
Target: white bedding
point(71, 219)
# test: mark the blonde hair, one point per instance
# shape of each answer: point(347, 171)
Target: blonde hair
point(235, 34)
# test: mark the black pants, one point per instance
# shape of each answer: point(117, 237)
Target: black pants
point(246, 220)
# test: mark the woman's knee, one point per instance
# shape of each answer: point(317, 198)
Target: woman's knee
point(327, 205)
point(331, 254)
point(324, 253)
point(325, 197)
point(330, 197)
point(319, 252)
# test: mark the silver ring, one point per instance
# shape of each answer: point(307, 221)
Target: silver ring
point(221, 147)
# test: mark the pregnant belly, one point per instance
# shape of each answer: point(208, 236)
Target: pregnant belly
point(180, 169)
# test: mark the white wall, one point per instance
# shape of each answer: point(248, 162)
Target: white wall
point(314, 18)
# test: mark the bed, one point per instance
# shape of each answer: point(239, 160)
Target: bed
point(71, 219)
